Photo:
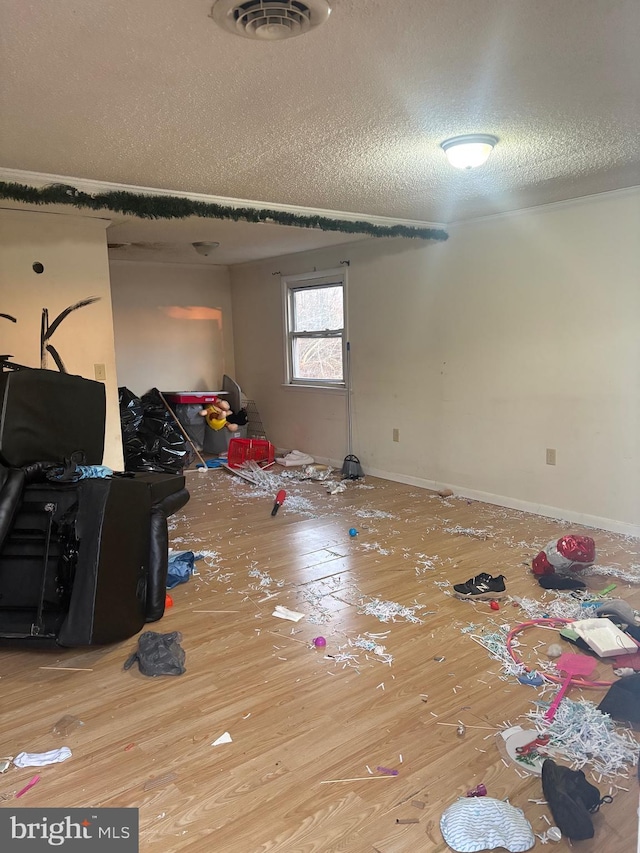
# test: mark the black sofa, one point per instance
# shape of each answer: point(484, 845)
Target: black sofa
point(81, 563)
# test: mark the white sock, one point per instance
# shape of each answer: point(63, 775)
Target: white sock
point(39, 759)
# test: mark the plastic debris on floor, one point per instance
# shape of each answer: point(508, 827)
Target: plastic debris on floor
point(474, 532)
point(425, 563)
point(562, 606)
point(266, 581)
point(376, 546)
point(631, 575)
point(391, 611)
point(495, 642)
point(224, 738)
point(373, 513)
point(66, 725)
point(370, 644)
point(587, 737)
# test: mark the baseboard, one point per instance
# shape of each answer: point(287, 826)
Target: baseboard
point(584, 519)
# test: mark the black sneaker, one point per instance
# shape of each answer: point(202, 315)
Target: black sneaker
point(482, 587)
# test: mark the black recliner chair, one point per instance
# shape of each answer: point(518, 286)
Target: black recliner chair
point(81, 563)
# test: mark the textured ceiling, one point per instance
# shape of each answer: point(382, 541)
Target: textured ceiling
point(347, 117)
point(240, 242)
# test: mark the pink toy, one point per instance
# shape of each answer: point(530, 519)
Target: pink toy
point(319, 642)
point(571, 665)
point(33, 781)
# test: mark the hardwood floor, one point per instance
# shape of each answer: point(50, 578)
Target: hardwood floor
point(298, 717)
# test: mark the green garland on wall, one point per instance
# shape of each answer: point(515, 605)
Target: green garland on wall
point(170, 207)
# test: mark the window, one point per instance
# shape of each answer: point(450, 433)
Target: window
point(315, 328)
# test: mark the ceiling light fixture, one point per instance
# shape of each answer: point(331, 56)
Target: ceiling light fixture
point(204, 248)
point(467, 152)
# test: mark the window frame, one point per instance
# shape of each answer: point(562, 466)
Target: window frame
point(308, 281)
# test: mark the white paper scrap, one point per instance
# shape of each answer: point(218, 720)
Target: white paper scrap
point(224, 738)
point(284, 613)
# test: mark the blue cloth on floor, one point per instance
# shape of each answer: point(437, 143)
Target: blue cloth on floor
point(88, 472)
point(181, 565)
point(73, 473)
point(533, 679)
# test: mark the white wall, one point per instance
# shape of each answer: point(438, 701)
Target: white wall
point(520, 333)
point(173, 328)
point(73, 250)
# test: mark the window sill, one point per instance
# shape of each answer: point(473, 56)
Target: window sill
point(324, 389)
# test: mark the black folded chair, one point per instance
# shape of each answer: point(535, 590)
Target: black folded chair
point(81, 563)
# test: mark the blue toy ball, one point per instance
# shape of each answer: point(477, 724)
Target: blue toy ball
point(353, 532)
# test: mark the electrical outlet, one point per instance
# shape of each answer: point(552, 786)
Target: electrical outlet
point(100, 372)
point(551, 456)
point(396, 435)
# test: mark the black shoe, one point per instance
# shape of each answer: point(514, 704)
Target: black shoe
point(558, 582)
point(571, 798)
point(482, 587)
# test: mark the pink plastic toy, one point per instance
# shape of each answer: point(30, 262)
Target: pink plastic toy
point(33, 781)
point(319, 642)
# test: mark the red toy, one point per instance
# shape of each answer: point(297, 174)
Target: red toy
point(278, 501)
point(569, 553)
point(534, 745)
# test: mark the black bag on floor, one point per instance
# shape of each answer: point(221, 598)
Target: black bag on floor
point(571, 798)
point(159, 654)
point(151, 440)
point(622, 701)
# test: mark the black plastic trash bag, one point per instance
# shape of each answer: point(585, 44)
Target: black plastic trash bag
point(130, 413)
point(159, 654)
point(622, 701)
point(166, 449)
point(151, 439)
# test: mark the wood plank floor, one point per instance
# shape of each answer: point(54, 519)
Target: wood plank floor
point(297, 717)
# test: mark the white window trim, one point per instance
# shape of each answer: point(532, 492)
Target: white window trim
point(312, 279)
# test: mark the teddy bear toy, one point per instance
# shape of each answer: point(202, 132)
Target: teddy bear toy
point(216, 414)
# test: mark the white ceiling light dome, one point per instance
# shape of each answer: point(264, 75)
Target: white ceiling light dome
point(270, 20)
point(467, 152)
point(205, 247)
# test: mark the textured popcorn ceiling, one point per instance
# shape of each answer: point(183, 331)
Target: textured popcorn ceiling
point(348, 117)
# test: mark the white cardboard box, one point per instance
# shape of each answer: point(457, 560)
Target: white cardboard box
point(605, 638)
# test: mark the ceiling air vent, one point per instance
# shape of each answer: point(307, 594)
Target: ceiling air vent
point(270, 20)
